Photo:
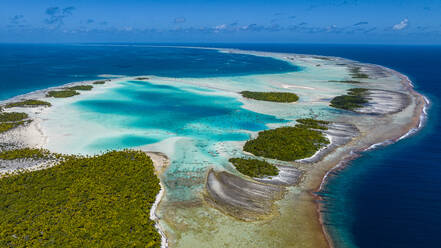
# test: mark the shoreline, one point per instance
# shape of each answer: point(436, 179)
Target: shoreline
point(417, 123)
point(412, 127)
point(161, 162)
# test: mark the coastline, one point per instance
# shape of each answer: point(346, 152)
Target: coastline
point(413, 127)
point(416, 124)
point(160, 161)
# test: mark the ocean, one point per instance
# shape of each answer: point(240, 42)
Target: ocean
point(389, 197)
point(25, 68)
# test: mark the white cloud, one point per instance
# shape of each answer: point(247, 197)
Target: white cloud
point(223, 26)
point(402, 25)
point(220, 28)
point(180, 20)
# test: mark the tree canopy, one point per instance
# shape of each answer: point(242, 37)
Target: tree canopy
point(271, 96)
point(355, 98)
point(254, 167)
point(99, 201)
point(62, 93)
point(28, 103)
point(289, 143)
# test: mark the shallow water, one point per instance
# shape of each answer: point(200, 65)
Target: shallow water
point(209, 119)
point(390, 197)
point(156, 113)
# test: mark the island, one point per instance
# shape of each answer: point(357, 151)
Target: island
point(271, 96)
point(10, 120)
point(62, 93)
point(355, 98)
point(111, 194)
point(28, 103)
point(254, 167)
point(231, 161)
point(81, 87)
point(288, 143)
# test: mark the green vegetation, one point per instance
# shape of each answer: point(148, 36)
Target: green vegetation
point(10, 120)
point(357, 91)
point(345, 81)
point(271, 96)
point(99, 82)
point(355, 73)
point(355, 98)
point(81, 87)
point(312, 123)
point(12, 116)
point(100, 201)
point(254, 167)
point(322, 58)
point(8, 126)
point(28, 103)
point(289, 143)
point(62, 93)
point(26, 153)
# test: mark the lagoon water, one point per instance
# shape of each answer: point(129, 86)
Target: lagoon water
point(142, 113)
point(390, 197)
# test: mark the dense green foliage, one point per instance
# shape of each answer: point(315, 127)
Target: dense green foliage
point(28, 103)
point(12, 116)
point(62, 93)
point(26, 153)
point(312, 123)
point(8, 126)
point(99, 82)
point(81, 87)
point(10, 120)
point(345, 81)
point(100, 201)
point(254, 167)
point(355, 98)
point(322, 58)
point(357, 91)
point(271, 96)
point(287, 143)
point(355, 73)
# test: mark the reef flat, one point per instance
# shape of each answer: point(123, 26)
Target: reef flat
point(200, 123)
point(244, 199)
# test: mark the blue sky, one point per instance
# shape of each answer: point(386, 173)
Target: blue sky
point(294, 21)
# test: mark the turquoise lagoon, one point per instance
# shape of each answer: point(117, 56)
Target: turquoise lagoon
point(192, 112)
point(155, 113)
point(199, 123)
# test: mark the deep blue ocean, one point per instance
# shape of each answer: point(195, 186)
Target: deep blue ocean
point(390, 197)
point(25, 68)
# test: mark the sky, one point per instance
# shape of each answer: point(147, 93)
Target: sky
point(213, 21)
